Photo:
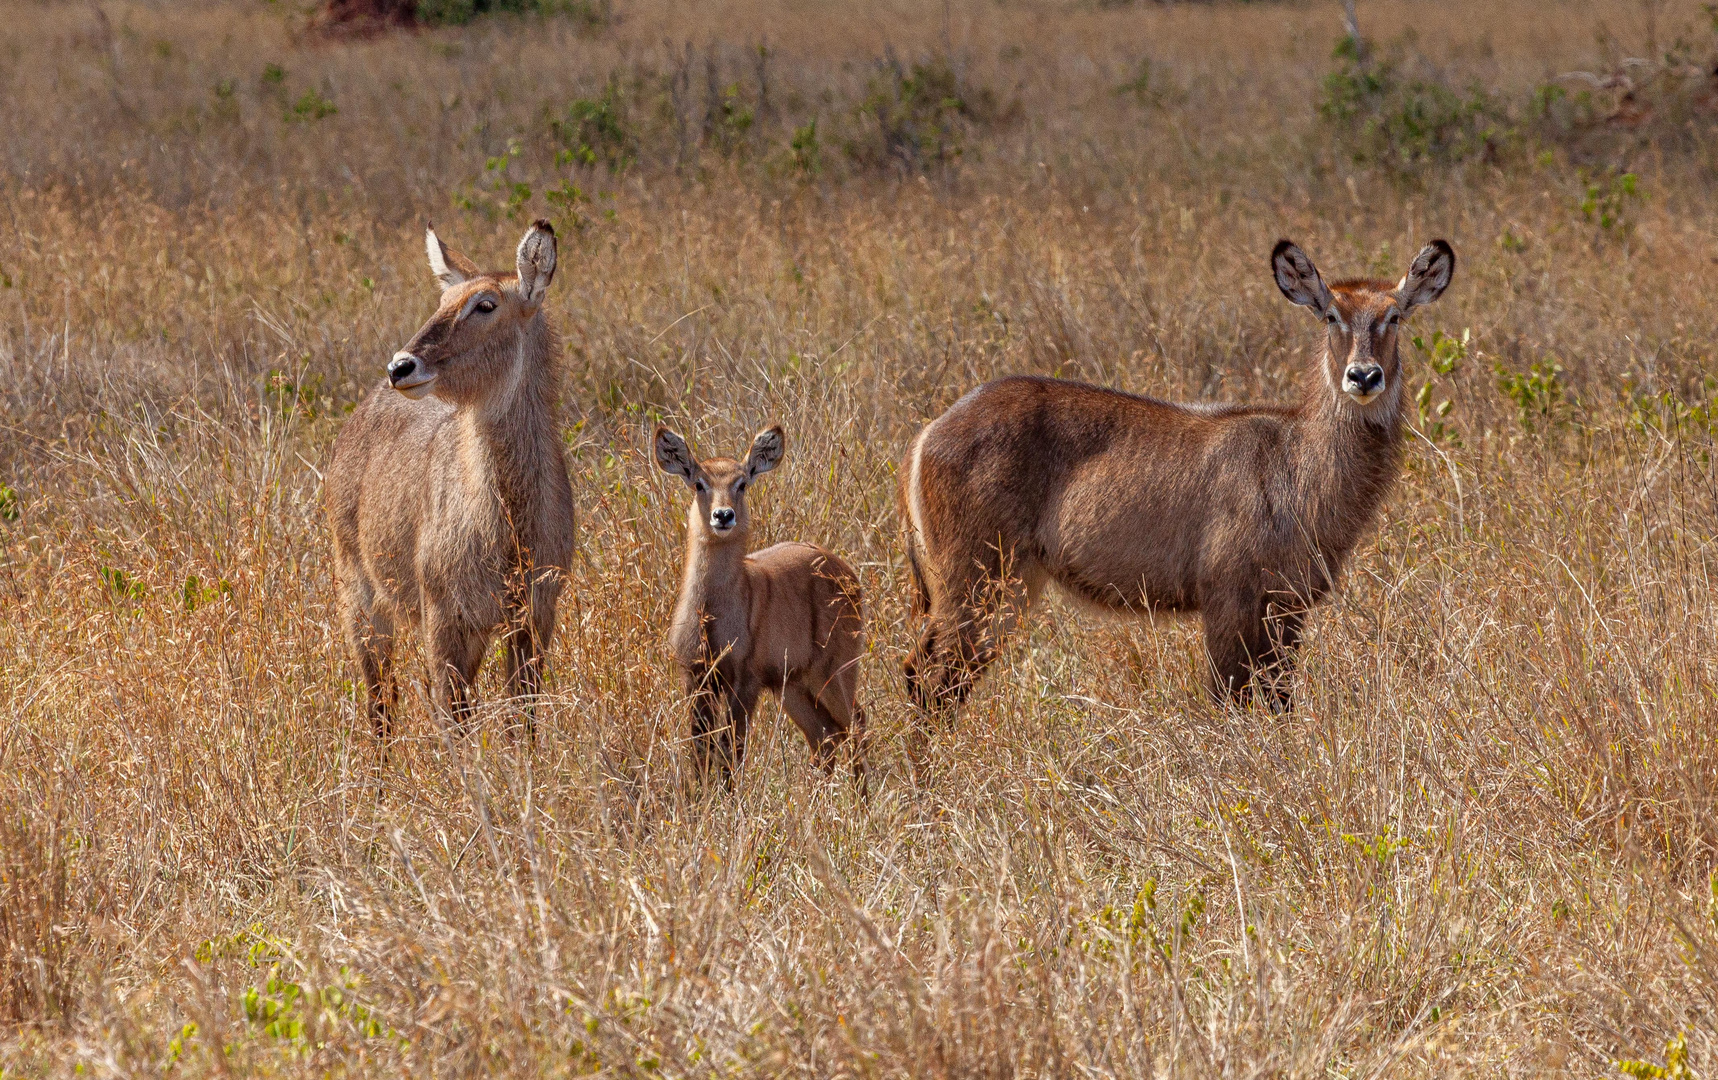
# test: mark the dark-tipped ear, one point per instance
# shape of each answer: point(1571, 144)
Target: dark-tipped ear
point(536, 262)
point(673, 455)
point(1427, 277)
point(1299, 280)
point(767, 449)
point(449, 266)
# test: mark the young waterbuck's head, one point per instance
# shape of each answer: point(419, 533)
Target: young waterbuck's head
point(1360, 361)
point(474, 341)
point(720, 483)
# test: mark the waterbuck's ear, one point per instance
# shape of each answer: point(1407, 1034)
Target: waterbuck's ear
point(1427, 277)
point(536, 262)
point(449, 266)
point(673, 455)
point(767, 449)
point(1299, 280)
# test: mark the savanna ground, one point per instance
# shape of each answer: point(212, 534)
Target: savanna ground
point(1482, 844)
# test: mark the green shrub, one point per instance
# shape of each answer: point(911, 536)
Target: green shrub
point(1608, 202)
point(591, 14)
point(921, 114)
point(593, 131)
point(1383, 119)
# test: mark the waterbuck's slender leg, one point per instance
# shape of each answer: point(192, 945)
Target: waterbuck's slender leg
point(706, 690)
point(1248, 650)
point(371, 634)
point(455, 653)
point(822, 731)
point(525, 672)
point(742, 699)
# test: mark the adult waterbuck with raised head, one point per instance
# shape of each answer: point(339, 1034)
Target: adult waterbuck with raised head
point(448, 492)
point(1244, 514)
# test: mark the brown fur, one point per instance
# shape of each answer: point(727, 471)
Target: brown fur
point(1244, 514)
point(787, 619)
point(453, 513)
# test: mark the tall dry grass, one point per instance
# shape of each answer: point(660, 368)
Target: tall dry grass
point(1482, 844)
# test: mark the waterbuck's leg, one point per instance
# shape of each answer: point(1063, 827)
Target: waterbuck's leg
point(731, 741)
point(371, 635)
point(701, 698)
point(455, 653)
point(822, 731)
point(524, 655)
point(967, 627)
point(841, 700)
point(1284, 624)
point(1238, 644)
point(527, 647)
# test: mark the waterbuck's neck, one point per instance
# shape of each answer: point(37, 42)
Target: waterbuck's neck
point(511, 435)
point(715, 572)
point(1346, 458)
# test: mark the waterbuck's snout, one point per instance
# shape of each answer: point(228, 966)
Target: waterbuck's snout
point(409, 375)
point(1363, 381)
point(721, 519)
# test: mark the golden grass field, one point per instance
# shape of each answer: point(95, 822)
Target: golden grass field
point(1482, 844)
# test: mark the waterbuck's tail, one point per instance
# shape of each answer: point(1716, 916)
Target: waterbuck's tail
point(909, 476)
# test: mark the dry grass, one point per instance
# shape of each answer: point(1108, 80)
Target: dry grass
point(1483, 843)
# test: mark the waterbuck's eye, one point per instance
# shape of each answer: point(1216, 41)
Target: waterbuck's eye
point(740, 488)
point(699, 484)
point(485, 306)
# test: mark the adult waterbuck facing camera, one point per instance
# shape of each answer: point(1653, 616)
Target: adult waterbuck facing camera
point(448, 493)
point(1244, 514)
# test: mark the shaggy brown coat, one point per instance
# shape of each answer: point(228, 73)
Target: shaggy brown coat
point(448, 493)
point(787, 619)
point(1244, 514)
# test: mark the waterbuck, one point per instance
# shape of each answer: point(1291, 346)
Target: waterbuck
point(1241, 513)
point(786, 619)
point(448, 492)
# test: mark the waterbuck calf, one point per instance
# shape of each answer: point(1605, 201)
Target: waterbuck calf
point(786, 619)
point(1241, 513)
point(448, 492)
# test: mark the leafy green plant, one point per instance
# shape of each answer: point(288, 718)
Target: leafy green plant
point(195, 593)
point(1403, 124)
point(593, 131)
point(1675, 1065)
point(807, 152)
point(1538, 392)
point(1669, 414)
point(311, 105)
point(8, 503)
point(921, 113)
point(731, 120)
point(280, 1009)
point(1609, 202)
point(587, 15)
point(120, 584)
point(1445, 356)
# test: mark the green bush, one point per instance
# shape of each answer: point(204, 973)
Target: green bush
point(593, 14)
point(1384, 119)
point(921, 114)
point(593, 131)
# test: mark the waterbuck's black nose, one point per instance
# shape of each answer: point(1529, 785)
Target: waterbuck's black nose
point(723, 518)
point(401, 367)
point(1365, 380)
